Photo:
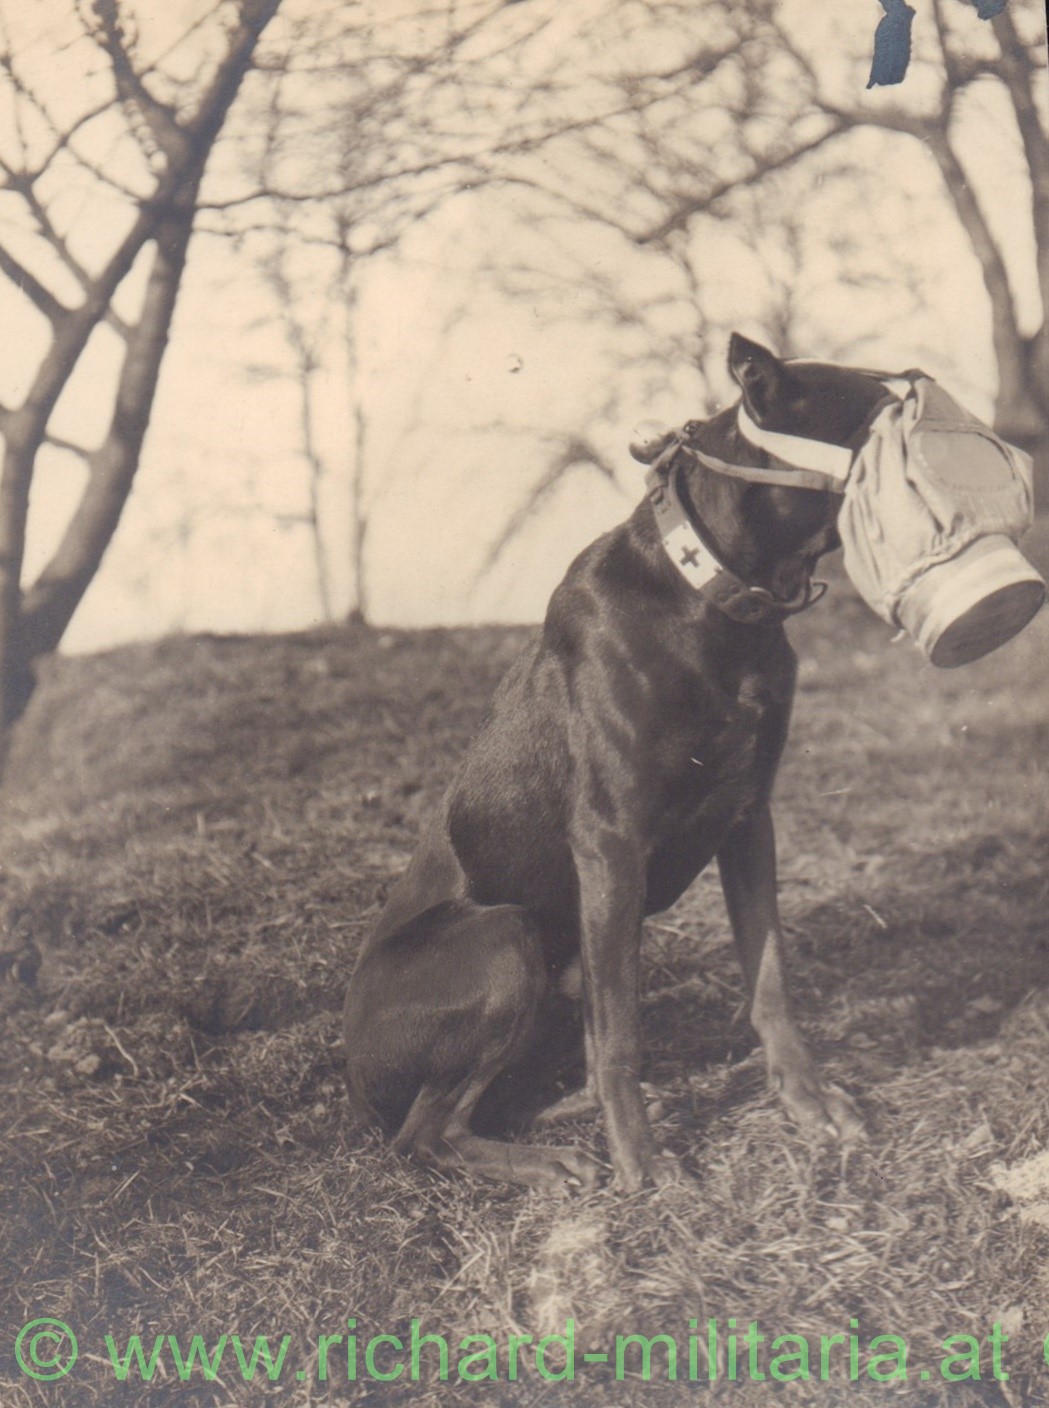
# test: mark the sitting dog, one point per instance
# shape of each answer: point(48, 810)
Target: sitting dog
point(635, 740)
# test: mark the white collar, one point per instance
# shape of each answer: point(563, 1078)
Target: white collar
point(683, 545)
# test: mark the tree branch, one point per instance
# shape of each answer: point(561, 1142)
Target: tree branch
point(47, 229)
point(64, 140)
point(131, 87)
point(59, 442)
point(1009, 344)
point(763, 167)
point(1016, 74)
point(42, 298)
point(951, 65)
point(50, 603)
point(574, 452)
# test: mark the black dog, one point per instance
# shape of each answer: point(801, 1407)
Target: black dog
point(636, 739)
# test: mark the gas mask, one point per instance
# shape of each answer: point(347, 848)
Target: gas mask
point(932, 504)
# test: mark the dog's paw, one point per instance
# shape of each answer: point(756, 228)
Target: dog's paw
point(659, 1170)
point(666, 1171)
point(823, 1110)
point(561, 1171)
point(844, 1120)
point(569, 1107)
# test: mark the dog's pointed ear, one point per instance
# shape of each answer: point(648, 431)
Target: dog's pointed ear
point(758, 373)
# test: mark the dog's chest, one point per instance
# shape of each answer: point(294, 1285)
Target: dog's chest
point(711, 771)
point(716, 758)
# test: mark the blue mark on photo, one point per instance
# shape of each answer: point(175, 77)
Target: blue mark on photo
point(892, 44)
point(892, 38)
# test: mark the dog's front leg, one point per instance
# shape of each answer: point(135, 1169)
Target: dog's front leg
point(611, 892)
point(610, 905)
point(747, 861)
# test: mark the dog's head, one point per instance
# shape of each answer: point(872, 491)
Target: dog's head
point(815, 400)
point(765, 476)
point(946, 567)
point(810, 400)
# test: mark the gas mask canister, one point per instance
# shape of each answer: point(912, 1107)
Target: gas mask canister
point(933, 502)
point(933, 505)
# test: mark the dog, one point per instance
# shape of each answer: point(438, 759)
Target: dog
point(633, 742)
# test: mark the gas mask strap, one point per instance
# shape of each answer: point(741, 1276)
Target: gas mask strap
point(779, 475)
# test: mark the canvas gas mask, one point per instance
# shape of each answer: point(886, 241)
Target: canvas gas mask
point(932, 504)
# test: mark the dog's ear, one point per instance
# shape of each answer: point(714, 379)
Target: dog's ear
point(758, 372)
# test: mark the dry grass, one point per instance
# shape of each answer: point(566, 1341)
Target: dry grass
point(195, 835)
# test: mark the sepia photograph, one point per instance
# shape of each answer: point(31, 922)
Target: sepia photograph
point(524, 703)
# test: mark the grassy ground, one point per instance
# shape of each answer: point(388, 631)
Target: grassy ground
point(195, 836)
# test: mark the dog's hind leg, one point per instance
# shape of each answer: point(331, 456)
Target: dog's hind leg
point(437, 1131)
point(747, 861)
point(583, 1101)
point(434, 1013)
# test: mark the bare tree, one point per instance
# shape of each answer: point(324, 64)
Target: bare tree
point(138, 147)
point(172, 125)
point(306, 329)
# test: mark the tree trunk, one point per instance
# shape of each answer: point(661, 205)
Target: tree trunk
point(360, 608)
point(49, 606)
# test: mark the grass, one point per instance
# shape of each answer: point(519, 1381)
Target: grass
point(195, 836)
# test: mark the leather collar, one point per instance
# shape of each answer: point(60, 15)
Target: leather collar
point(700, 566)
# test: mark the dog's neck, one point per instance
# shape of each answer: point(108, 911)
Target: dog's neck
point(770, 537)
